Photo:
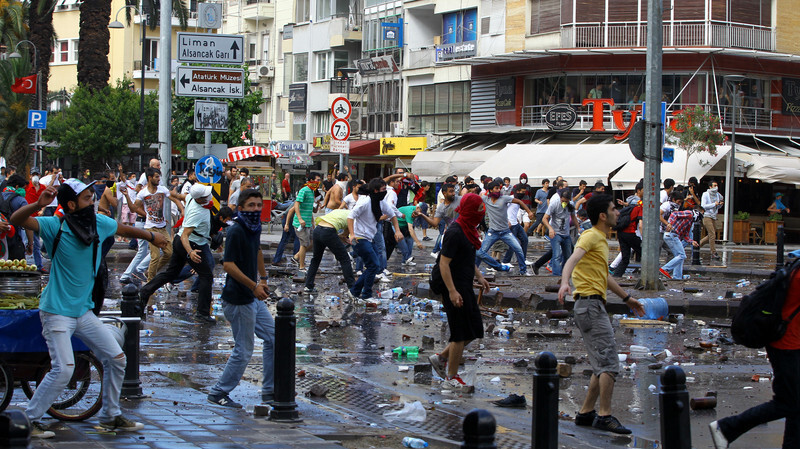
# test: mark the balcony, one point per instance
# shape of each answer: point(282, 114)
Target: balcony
point(749, 119)
point(258, 10)
point(676, 34)
point(420, 58)
point(339, 86)
point(150, 70)
point(261, 132)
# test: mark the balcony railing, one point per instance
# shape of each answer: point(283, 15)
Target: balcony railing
point(339, 86)
point(423, 57)
point(748, 117)
point(676, 34)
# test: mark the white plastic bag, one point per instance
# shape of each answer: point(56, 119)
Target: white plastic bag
point(412, 412)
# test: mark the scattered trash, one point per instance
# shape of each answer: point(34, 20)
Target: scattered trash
point(564, 370)
point(414, 442)
point(705, 403)
point(558, 314)
point(145, 332)
point(495, 379)
point(403, 368)
point(428, 342)
point(318, 390)
point(412, 411)
point(521, 363)
point(392, 293)
point(742, 283)
point(652, 388)
point(409, 352)
point(655, 308)
point(761, 377)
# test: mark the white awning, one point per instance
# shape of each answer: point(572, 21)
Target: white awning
point(436, 166)
point(589, 162)
point(699, 164)
point(772, 166)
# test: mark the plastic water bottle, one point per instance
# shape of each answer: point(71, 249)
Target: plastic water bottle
point(510, 313)
point(414, 442)
point(145, 332)
point(504, 333)
point(392, 293)
point(406, 351)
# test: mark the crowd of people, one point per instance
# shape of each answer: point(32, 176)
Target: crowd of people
point(361, 222)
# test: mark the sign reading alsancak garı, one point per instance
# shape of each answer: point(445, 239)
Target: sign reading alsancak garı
point(209, 82)
point(210, 48)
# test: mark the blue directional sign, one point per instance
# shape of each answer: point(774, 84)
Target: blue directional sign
point(37, 119)
point(209, 169)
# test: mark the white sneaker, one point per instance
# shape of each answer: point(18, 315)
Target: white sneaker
point(456, 384)
point(527, 274)
point(720, 442)
point(39, 430)
point(348, 296)
point(409, 263)
point(528, 263)
point(438, 365)
point(387, 273)
point(507, 266)
point(490, 270)
point(434, 255)
point(382, 278)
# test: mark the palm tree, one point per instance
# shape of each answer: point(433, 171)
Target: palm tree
point(40, 18)
point(14, 134)
point(93, 44)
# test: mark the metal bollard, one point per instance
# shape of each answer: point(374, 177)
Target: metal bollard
point(673, 402)
point(779, 241)
point(545, 402)
point(479, 429)
point(131, 385)
point(285, 409)
point(696, 237)
point(15, 429)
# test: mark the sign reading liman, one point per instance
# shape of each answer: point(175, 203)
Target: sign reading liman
point(210, 48)
point(446, 52)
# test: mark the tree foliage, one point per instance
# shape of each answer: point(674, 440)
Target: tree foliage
point(696, 131)
point(240, 113)
point(14, 134)
point(98, 125)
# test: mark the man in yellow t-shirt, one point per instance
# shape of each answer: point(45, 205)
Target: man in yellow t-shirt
point(326, 234)
point(588, 267)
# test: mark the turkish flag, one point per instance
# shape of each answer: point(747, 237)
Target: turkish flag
point(24, 85)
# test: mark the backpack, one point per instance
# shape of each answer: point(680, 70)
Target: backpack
point(624, 219)
point(16, 249)
point(759, 320)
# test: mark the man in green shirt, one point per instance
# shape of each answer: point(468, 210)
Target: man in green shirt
point(406, 223)
point(329, 233)
point(303, 214)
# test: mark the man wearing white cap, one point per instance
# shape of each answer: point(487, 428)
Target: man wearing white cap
point(190, 245)
point(66, 304)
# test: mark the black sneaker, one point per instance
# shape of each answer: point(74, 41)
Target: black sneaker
point(205, 319)
point(513, 400)
point(585, 419)
point(535, 269)
point(267, 398)
point(223, 400)
point(610, 424)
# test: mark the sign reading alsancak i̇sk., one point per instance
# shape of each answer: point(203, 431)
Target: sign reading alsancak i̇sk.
point(209, 82)
point(210, 48)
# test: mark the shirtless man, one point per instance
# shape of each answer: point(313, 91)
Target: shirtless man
point(335, 195)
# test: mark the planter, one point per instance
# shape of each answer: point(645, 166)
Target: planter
point(771, 231)
point(741, 231)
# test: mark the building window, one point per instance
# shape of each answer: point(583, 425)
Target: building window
point(322, 123)
point(252, 53)
point(288, 74)
point(340, 59)
point(323, 9)
point(301, 67)
point(299, 131)
point(265, 48)
point(75, 50)
point(323, 70)
point(460, 26)
point(303, 11)
point(439, 108)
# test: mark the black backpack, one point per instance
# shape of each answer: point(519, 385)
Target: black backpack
point(624, 219)
point(16, 249)
point(759, 320)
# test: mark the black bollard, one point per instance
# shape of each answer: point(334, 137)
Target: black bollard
point(673, 402)
point(285, 409)
point(131, 313)
point(779, 240)
point(479, 429)
point(545, 402)
point(696, 237)
point(15, 429)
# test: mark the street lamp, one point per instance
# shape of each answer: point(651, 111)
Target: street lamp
point(15, 55)
point(116, 24)
point(730, 174)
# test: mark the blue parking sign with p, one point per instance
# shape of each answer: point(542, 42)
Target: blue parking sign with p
point(37, 119)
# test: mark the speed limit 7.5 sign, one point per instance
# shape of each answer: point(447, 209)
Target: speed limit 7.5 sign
point(340, 129)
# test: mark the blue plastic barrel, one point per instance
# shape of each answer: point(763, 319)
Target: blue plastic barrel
point(655, 308)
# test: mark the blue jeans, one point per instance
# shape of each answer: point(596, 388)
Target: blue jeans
point(141, 260)
point(679, 255)
point(37, 250)
point(519, 232)
point(493, 236)
point(247, 322)
point(379, 245)
point(285, 236)
point(562, 249)
point(363, 286)
point(784, 404)
point(57, 331)
point(442, 227)
point(406, 245)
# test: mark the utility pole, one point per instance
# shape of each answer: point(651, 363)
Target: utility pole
point(651, 244)
point(165, 92)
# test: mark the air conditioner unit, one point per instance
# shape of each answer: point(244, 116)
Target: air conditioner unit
point(355, 125)
point(397, 129)
point(265, 71)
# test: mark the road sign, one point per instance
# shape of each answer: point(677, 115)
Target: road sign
point(340, 129)
point(210, 115)
point(37, 119)
point(209, 82)
point(208, 169)
point(198, 150)
point(341, 108)
point(210, 48)
point(340, 146)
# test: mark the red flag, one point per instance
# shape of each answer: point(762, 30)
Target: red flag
point(24, 85)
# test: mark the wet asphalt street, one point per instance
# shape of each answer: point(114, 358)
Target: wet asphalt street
point(348, 350)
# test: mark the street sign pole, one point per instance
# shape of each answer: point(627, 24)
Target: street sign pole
point(165, 93)
point(651, 244)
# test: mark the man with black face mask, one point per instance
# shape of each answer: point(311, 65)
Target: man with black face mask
point(66, 302)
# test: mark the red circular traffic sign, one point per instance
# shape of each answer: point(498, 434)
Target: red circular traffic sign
point(340, 129)
point(341, 108)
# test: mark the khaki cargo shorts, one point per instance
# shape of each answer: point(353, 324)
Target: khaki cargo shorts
point(598, 335)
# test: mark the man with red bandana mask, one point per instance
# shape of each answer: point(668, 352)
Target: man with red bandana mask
point(527, 199)
point(453, 276)
point(190, 244)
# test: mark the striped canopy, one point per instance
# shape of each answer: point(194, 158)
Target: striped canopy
point(239, 153)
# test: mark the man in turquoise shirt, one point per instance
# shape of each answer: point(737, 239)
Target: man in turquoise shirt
point(66, 302)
